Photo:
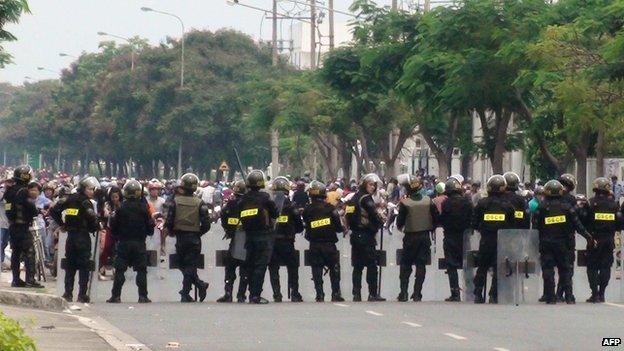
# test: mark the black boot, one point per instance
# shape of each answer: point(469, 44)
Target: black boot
point(277, 298)
point(357, 296)
point(337, 297)
point(18, 284)
point(144, 299)
point(225, 298)
point(593, 298)
point(185, 297)
point(114, 299)
point(295, 296)
point(478, 293)
point(258, 300)
point(202, 290)
point(84, 298)
point(454, 296)
point(68, 297)
point(34, 284)
point(320, 297)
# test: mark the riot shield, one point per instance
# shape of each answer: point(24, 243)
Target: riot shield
point(62, 264)
point(615, 289)
point(580, 282)
point(438, 287)
point(518, 268)
point(239, 251)
point(470, 252)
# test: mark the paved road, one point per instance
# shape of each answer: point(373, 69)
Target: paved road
point(367, 326)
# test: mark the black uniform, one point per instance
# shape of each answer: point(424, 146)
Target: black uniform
point(130, 226)
point(491, 214)
point(257, 215)
point(322, 222)
point(603, 218)
point(455, 220)
point(364, 222)
point(77, 215)
point(20, 213)
point(288, 224)
point(556, 221)
point(188, 220)
point(230, 223)
point(581, 213)
point(416, 243)
point(521, 219)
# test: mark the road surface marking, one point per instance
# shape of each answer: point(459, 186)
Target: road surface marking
point(341, 305)
point(416, 325)
point(614, 304)
point(501, 349)
point(455, 336)
point(374, 313)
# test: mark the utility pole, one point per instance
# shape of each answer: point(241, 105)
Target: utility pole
point(274, 132)
point(394, 5)
point(312, 34)
point(331, 24)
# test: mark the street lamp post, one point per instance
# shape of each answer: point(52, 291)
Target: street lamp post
point(62, 54)
point(128, 41)
point(147, 9)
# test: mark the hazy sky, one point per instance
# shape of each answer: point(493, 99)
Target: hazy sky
point(71, 26)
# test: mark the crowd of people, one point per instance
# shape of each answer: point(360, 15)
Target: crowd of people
point(262, 218)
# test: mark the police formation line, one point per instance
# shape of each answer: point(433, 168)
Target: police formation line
point(262, 228)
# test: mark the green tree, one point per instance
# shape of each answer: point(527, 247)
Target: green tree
point(10, 12)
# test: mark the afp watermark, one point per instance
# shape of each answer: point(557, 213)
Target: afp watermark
point(611, 341)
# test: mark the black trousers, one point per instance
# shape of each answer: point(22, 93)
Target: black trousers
point(188, 248)
point(259, 247)
point(599, 262)
point(487, 260)
point(364, 255)
point(130, 254)
point(78, 259)
point(325, 254)
point(556, 254)
point(22, 246)
point(284, 254)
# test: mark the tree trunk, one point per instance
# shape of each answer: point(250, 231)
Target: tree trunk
point(581, 170)
point(600, 153)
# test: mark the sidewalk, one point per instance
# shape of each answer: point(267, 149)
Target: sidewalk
point(45, 298)
point(56, 331)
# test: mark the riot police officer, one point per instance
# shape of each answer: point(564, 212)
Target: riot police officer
point(364, 222)
point(521, 219)
point(603, 218)
point(231, 224)
point(20, 213)
point(77, 215)
point(556, 219)
point(569, 184)
point(455, 210)
point(322, 222)
point(417, 217)
point(257, 215)
point(188, 219)
point(288, 224)
point(130, 226)
point(490, 214)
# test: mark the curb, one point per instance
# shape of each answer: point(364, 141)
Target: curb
point(33, 300)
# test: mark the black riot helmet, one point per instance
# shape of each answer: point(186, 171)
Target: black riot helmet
point(317, 190)
point(512, 180)
point(255, 179)
point(496, 184)
point(602, 185)
point(239, 188)
point(553, 188)
point(453, 185)
point(86, 183)
point(189, 182)
point(568, 180)
point(22, 174)
point(281, 184)
point(132, 189)
point(414, 184)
